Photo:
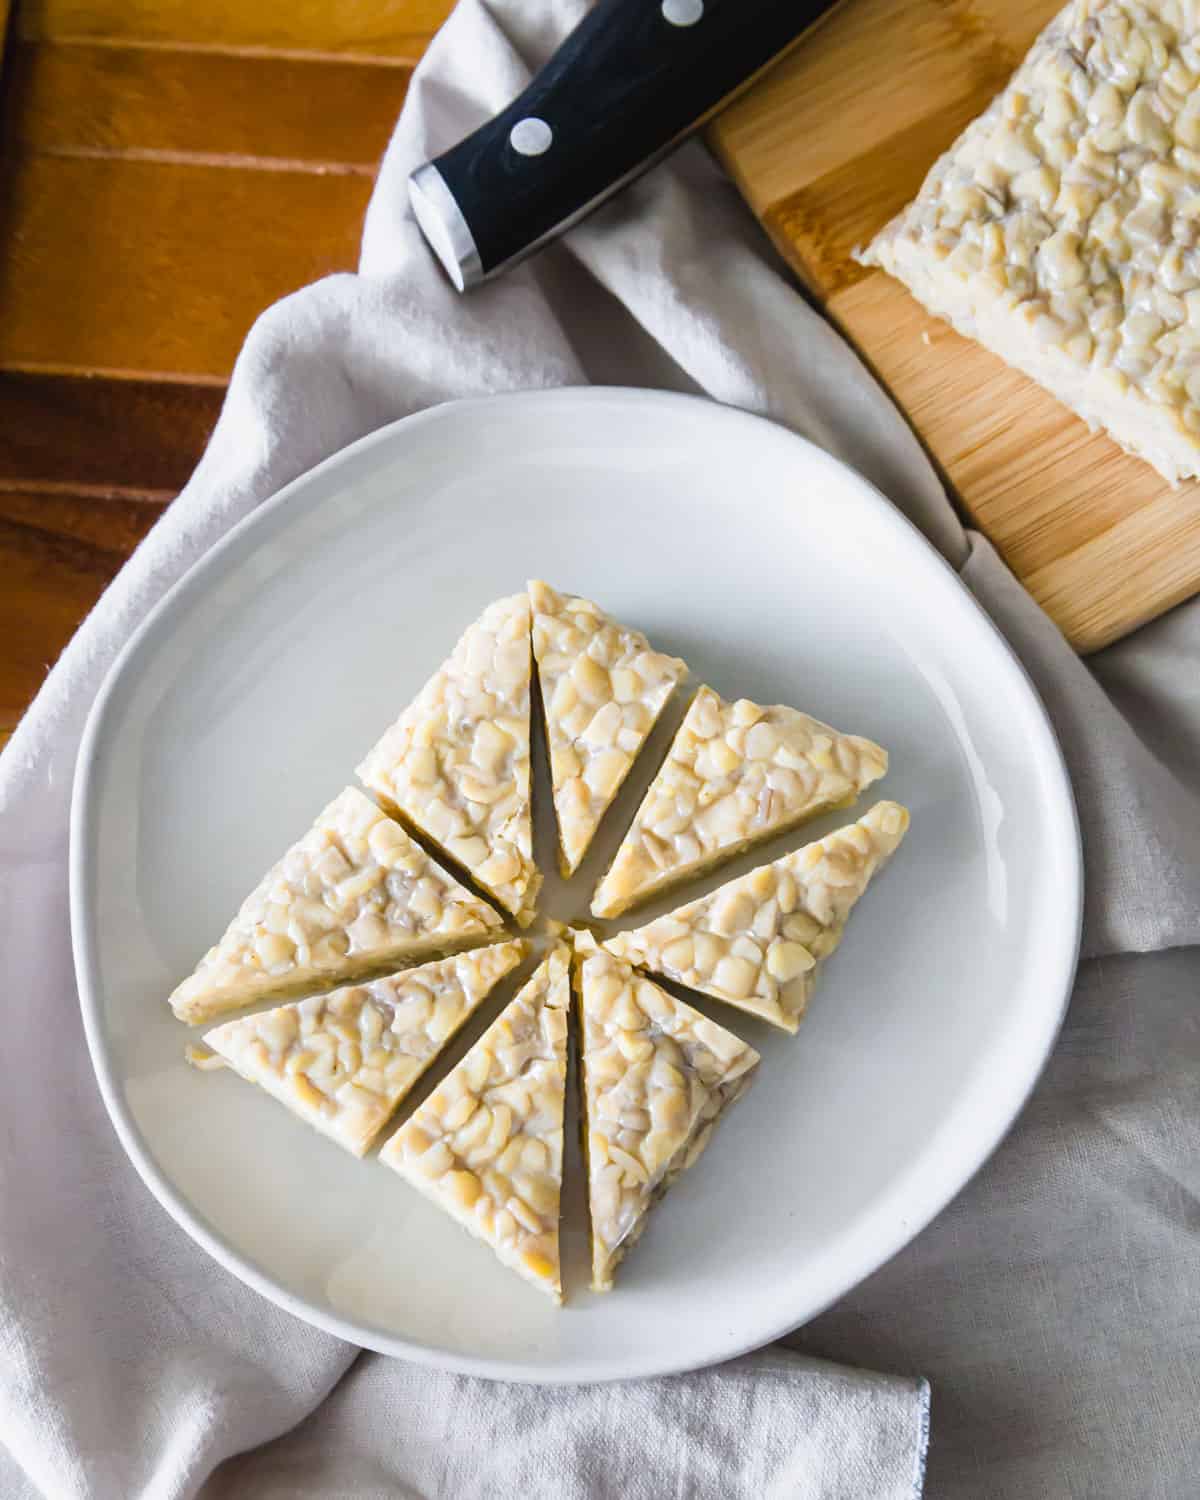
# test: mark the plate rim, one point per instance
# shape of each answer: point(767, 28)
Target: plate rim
point(84, 939)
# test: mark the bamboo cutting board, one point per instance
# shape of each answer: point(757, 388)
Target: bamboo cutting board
point(826, 148)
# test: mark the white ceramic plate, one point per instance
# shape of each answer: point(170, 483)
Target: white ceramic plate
point(249, 695)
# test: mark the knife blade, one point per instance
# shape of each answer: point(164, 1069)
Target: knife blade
point(631, 81)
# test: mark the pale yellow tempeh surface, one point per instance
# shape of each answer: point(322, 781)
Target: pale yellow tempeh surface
point(1060, 229)
point(355, 896)
point(603, 689)
point(344, 1062)
point(487, 1145)
point(758, 942)
point(456, 761)
point(657, 1076)
point(736, 774)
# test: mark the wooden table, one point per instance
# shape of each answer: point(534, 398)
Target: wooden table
point(167, 170)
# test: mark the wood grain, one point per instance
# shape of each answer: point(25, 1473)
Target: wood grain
point(369, 28)
point(1099, 538)
point(88, 433)
point(108, 456)
point(57, 553)
point(329, 113)
point(167, 170)
point(236, 237)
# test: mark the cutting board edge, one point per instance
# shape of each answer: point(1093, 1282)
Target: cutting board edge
point(1091, 531)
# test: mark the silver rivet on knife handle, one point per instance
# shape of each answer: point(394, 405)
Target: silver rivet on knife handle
point(629, 83)
point(531, 137)
point(682, 12)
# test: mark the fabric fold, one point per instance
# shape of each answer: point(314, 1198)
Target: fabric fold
point(132, 1365)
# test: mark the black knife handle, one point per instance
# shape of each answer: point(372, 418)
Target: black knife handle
point(628, 84)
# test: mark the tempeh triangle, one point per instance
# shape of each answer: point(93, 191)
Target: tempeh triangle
point(603, 688)
point(736, 773)
point(657, 1076)
point(487, 1145)
point(455, 764)
point(757, 942)
point(344, 1062)
point(355, 896)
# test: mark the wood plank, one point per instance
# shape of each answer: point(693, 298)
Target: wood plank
point(75, 431)
point(374, 28)
point(57, 554)
point(103, 529)
point(819, 225)
point(833, 78)
point(1132, 571)
point(166, 172)
point(63, 97)
point(179, 259)
point(998, 436)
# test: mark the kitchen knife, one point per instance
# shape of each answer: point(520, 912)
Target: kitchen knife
point(629, 83)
